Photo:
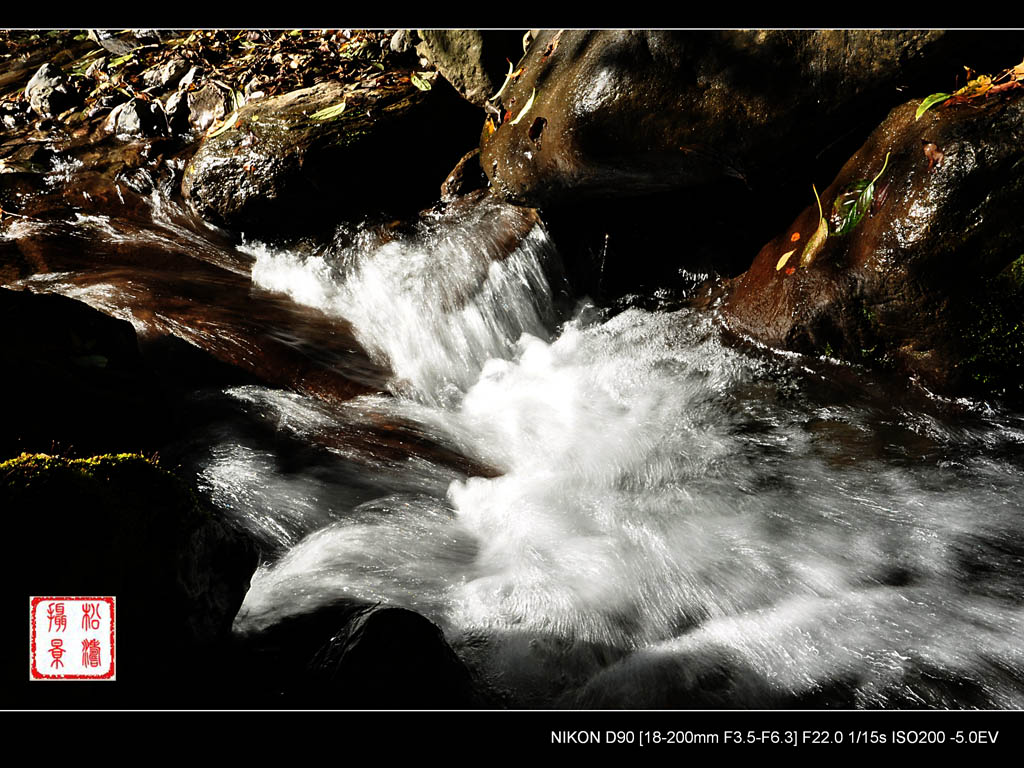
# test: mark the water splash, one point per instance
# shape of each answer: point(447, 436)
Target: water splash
point(674, 512)
point(436, 306)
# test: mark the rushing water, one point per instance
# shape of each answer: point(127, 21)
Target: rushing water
point(617, 509)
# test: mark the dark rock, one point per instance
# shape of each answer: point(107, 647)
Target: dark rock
point(637, 113)
point(107, 102)
point(388, 657)
point(208, 105)
point(49, 92)
point(177, 111)
point(137, 118)
point(931, 283)
point(360, 655)
point(467, 176)
point(79, 380)
point(472, 60)
point(277, 167)
point(165, 75)
point(120, 525)
point(112, 41)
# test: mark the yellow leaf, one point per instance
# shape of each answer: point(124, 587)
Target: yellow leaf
point(817, 241)
point(783, 259)
point(526, 109)
point(509, 76)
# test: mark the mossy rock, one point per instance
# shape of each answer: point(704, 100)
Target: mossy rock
point(300, 159)
point(120, 525)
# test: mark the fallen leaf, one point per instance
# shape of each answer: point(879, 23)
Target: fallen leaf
point(524, 110)
point(419, 81)
point(228, 123)
point(783, 259)
point(931, 101)
point(794, 237)
point(329, 113)
point(817, 241)
point(510, 76)
point(854, 202)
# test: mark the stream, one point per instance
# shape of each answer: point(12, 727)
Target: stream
point(602, 507)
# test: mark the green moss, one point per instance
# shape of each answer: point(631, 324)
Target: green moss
point(126, 486)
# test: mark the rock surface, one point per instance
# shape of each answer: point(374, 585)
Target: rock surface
point(49, 92)
point(931, 282)
point(136, 118)
point(208, 105)
point(620, 113)
point(472, 60)
point(119, 525)
point(360, 655)
point(467, 176)
point(279, 166)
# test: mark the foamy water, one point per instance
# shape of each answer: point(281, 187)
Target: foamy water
point(676, 523)
point(435, 307)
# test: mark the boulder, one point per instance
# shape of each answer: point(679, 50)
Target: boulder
point(301, 160)
point(618, 113)
point(122, 526)
point(165, 75)
point(472, 60)
point(49, 92)
point(931, 281)
point(467, 176)
point(354, 654)
point(208, 105)
point(137, 118)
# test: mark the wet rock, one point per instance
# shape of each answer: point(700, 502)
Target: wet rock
point(137, 118)
point(208, 105)
point(49, 92)
point(931, 281)
point(473, 61)
point(360, 655)
point(279, 167)
point(643, 112)
point(11, 115)
point(467, 176)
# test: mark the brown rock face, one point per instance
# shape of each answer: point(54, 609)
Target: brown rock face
point(931, 281)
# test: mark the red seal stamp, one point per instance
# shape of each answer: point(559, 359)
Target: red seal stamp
point(71, 638)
